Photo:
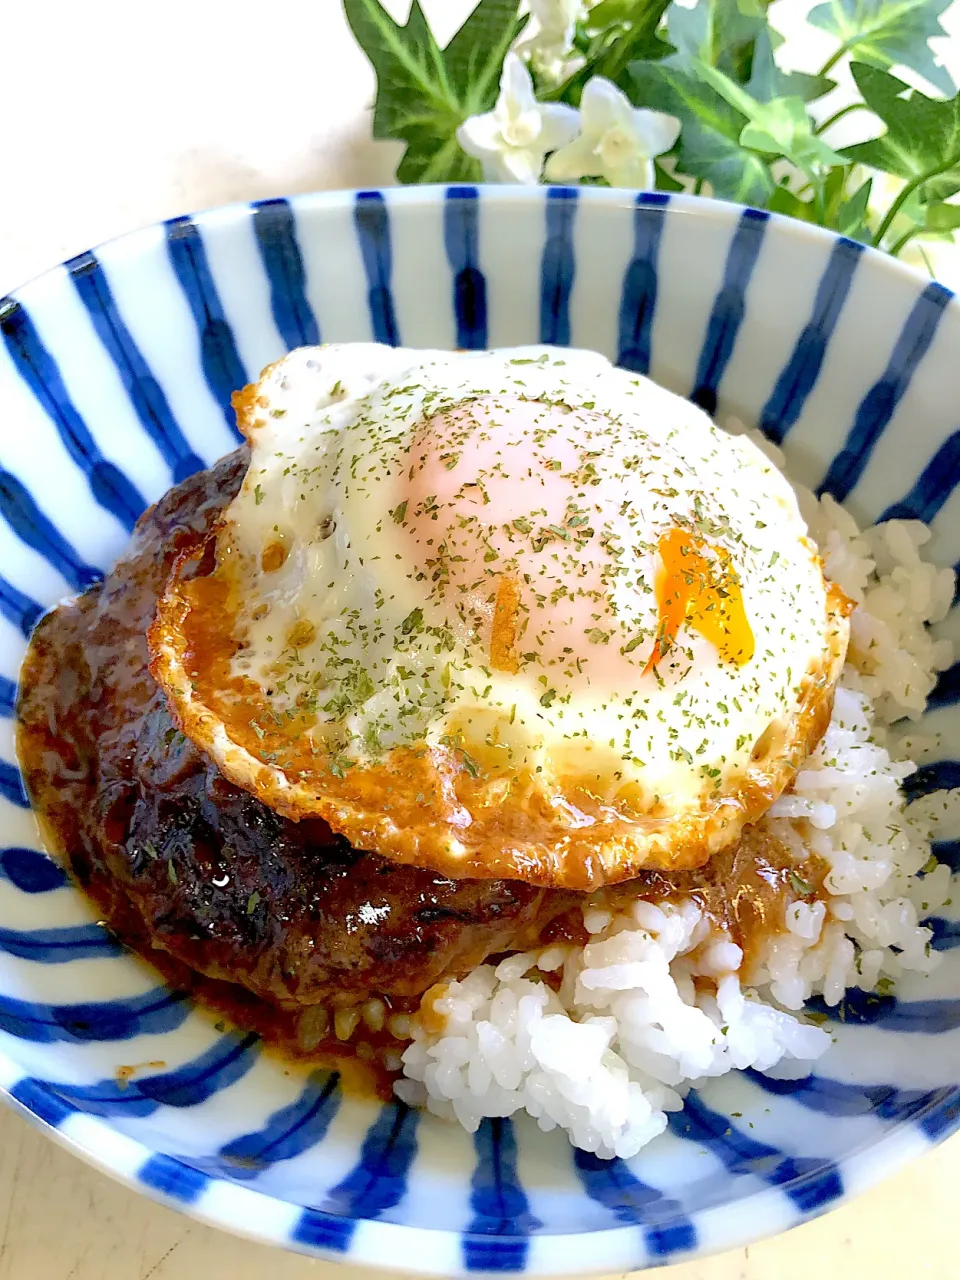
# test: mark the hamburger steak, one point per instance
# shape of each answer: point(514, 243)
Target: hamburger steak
point(197, 873)
point(281, 924)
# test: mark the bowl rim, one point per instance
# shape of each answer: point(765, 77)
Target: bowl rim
point(502, 193)
point(114, 1153)
point(897, 1148)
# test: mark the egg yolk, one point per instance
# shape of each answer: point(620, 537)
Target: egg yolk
point(502, 518)
point(506, 518)
point(697, 586)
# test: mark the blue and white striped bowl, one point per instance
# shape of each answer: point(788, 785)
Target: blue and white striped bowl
point(115, 377)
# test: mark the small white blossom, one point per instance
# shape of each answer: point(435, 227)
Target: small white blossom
point(553, 24)
point(512, 140)
point(616, 142)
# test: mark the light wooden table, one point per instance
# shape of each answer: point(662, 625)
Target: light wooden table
point(117, 114)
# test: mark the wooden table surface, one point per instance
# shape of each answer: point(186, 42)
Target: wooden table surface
point(237, 100)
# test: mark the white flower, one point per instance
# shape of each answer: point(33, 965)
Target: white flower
point(557, 19)
point(553, 25)
point(617, 141)
point(513, 138)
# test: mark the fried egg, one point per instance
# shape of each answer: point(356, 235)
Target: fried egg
point(512, 613)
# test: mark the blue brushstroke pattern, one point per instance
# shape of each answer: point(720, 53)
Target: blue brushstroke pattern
point(372, 222)
point(110, 487)
point(880, 402)
point(933, 487)
point(18, 608)
point(912, 1017)
point(173, 1178)
point(638, 301)
point(810, 1183)
point(153, 1013)
point(146, 394)
point(219, 357)
point(461, 238)
point(41, 1101)
point(837, 1098)
point(946, 933)
point(275, 227)
point(60, 946)
point(230, 1058)
point(942, 1120)
point(941, 775)
point(667, 1229)
point(558, 266)
point(947, 851)
point(39, 532)
point(8, 697)
point(802, 370)
point(377, 1183)
point(288, 1133)
point(11, 785)
point(496, 1236)
point(31, 871)
point(946, 692)
point(729, 309)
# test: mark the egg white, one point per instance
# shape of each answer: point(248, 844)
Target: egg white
point(391, 661)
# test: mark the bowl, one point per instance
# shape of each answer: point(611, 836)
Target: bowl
point(116, 371)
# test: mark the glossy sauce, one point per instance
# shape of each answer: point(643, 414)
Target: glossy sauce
point(276, 926)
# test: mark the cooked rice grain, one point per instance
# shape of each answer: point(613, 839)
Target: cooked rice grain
point(655, 1002)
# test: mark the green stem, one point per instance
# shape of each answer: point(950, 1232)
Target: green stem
point(820, 203)
point(838, 115)
point(906, 192)
point(894, 249)
point(698, 187)
point(711, 37)
point(834, 58)
point(926, 262)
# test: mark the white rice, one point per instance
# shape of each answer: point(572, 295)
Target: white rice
point(655, 1001)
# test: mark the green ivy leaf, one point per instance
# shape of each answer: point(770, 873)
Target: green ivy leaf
point(783, 128)
point(942, 187)
point(424, 93)
point(767, 81)
point(474, 57)
point(780, 127)
point(785, 201)
point(834, 189)
point(721, 33)
point(852, 214)
point(942, 218)
point(609, 12)
point(887, 33)
point(922, 138)
point(618, 32)
point(666, 181)
point(709, 145)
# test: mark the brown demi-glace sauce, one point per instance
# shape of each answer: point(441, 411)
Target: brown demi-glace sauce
point(280, 926)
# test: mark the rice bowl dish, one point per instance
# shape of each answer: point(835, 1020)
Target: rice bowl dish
point(230, 1047)
point(588, 982)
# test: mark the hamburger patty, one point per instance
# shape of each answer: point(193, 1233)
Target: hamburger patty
point(182, 863)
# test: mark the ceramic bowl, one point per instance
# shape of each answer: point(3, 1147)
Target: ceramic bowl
point(115, 377)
